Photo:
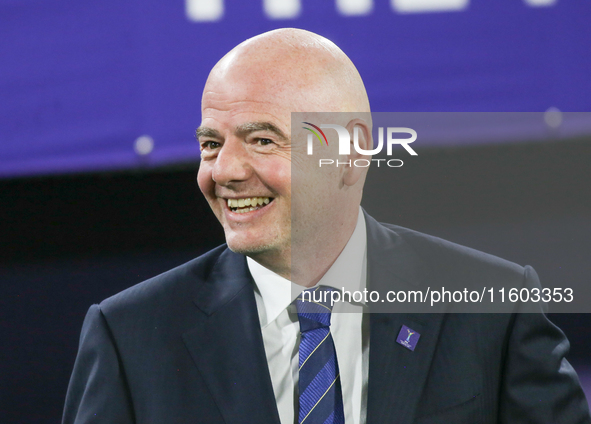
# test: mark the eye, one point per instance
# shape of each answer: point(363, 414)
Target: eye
point(264, 141)
point(210, 145)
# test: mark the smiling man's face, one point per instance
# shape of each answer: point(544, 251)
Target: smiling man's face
point(247, 155)
point(245, 171)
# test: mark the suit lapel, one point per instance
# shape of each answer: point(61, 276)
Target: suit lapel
point(396, 374)
point(227, 345)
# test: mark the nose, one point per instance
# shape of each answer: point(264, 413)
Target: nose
point(232, 163)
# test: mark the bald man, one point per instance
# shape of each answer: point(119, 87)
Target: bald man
point(219, 339)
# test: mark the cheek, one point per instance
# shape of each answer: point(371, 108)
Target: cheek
point(204, 181)
point(279, 175)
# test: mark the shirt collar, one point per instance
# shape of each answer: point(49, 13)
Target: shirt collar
point(348, 272)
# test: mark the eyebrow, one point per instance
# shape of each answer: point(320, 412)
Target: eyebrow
point(243, 130)
point(250, 127)
point(207, 132)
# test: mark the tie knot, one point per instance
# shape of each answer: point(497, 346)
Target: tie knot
point(314, 308)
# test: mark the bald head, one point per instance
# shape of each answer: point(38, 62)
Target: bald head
point(300, 68)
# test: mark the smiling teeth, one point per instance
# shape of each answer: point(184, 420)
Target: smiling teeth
point(247, 204)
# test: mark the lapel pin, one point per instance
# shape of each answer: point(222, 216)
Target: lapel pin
point(408, 337)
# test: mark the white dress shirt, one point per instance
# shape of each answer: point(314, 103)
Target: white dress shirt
point(280, 327)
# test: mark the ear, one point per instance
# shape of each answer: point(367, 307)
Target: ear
point(354, 173)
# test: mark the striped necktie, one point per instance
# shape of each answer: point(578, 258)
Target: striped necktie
point(321, 400)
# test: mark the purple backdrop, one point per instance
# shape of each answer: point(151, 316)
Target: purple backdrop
point(80, 82)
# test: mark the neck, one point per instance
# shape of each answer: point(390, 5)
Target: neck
point(307, 262)
point(278, 262)
point(311, 260)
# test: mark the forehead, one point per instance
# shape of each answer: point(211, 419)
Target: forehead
point(233, 108)
point(255, 90)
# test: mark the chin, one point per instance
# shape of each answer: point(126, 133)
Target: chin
point(248, 248)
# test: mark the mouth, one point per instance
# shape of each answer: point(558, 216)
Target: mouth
point(248, 204)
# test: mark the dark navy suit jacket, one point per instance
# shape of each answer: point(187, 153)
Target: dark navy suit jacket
point(186, 347)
